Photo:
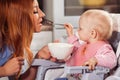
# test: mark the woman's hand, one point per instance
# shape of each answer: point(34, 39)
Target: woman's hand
point(69, 29)
point(44, 53)
point(12, 67)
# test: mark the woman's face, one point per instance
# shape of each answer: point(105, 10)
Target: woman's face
point(38, 15)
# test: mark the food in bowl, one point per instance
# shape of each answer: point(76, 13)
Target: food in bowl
point(60, 50)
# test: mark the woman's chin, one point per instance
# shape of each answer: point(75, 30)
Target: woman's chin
point(37, 29)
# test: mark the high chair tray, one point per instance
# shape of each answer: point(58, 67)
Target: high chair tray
point(85, 69)
point(43, 62)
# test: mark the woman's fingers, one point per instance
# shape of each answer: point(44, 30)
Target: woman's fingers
point(13, 66)
point(20, 60)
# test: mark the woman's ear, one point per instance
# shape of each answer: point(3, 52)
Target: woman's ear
point(93, 33)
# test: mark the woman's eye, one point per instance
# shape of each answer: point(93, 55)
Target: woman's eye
point(79, 29)
point(35, 12)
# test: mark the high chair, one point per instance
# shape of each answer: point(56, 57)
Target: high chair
point(97, 74)
point(45, 65)
point(116, 74)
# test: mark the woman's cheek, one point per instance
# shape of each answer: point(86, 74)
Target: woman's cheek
point(35, 23)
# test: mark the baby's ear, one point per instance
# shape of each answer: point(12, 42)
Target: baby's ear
point(93, 34)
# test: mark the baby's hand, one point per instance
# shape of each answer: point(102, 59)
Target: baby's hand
point(69, 29)
point(91, 63)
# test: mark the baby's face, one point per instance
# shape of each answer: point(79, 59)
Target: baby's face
point(83, 31)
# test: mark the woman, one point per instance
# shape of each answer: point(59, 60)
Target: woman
point(16, 30)
point(38, 15)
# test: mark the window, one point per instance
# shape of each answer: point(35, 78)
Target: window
point(77, 7)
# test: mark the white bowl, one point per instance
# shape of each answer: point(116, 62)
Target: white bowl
point(60, 50)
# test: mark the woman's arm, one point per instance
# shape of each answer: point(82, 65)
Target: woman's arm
point(30, 74)
point(2, 72)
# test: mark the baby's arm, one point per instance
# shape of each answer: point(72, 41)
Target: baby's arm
point(105, 56)
point(72, 39)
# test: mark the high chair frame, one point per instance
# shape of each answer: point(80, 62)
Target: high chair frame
point(44, 65)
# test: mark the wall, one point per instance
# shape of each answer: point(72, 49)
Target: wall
point(40, 39)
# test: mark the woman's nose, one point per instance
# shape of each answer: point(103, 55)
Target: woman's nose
point(41, 14)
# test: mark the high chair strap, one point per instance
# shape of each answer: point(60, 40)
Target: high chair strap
point(118, 54)
point(118, 50)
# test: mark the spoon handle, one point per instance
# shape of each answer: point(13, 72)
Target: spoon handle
point(58, 24)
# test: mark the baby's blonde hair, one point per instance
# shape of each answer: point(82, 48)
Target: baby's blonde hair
point(99, 20)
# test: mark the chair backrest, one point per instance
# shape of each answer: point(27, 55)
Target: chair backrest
point(114, 40)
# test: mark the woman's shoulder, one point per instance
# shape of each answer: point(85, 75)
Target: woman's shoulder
point(5, 54)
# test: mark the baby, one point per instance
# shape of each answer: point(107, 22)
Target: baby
point(95, 28)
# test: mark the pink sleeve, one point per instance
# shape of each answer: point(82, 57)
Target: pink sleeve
point(73, 40)
point(106, 57)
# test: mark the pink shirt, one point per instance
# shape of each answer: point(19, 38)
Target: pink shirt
point(83, 52)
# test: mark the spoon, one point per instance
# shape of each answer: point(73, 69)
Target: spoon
point(49, 22)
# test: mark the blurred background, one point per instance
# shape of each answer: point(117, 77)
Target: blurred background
point(67, 11)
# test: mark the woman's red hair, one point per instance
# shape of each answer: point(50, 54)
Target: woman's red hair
point(16, 26)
